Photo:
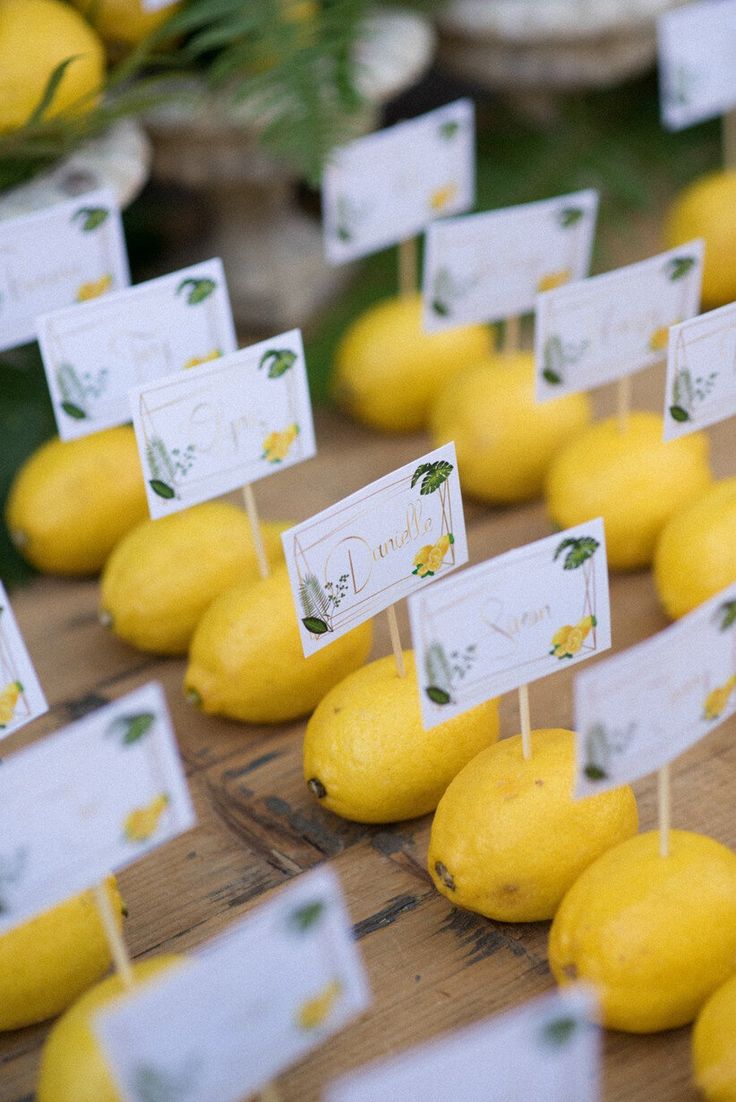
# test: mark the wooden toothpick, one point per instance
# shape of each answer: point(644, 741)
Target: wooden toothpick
point(270, 1093)
point(526, 726)
point(511, 335)
point(408, 267)
point(729, 140)
point(255, 527)
point(393, 627)
point(664, 796)
point(115, 940)
point(623, 402)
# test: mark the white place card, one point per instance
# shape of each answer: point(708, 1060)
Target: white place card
point(610, 325)
point(490, 266)
point(21, 695)
point(88, 800)
point(548, 1049)
point(697, 47)
point(640, 709)
point(511, 620)
point(229, 1020)
point(70, 252)
point(386, 187)
point(156, 5)
point(95, 352)
point(353, 560)
point(701, 372)
point(203, 433)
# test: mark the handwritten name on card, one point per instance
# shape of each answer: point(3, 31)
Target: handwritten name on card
point(697, 46)
point(642, 708)
point(21, 695)
point(353, 560)
point(67, 253)
point(87, 800)
point(548, 1049)
point(701, 372)
point(510, 620)
point(95, 352)
point(205, 432)
point(228, 1021)
point(611, 325)
point(389, 185)
point(489, 266)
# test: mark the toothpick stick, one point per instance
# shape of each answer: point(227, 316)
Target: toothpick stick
point(729, 140)
point(255, 527)
point(393, 627)
point(408, 266)
point(118, 948)
point(623, 402)
point(664, 808)
point(511, 335)
point(270, 1093)
point(526, 725)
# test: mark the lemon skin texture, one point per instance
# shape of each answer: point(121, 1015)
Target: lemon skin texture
point(707, 209)
point(508, 839)
point(35, 37)
point(73, 1068)
point(161, 578)
point(123, 22)
point(367, 756)
point(655, 936)
point(71, 501)
point(387, 369)
point(695, 557)
point(246, 659)
point(714, 1045)
point(47, 962)
point(505, 440)
point(633, 479)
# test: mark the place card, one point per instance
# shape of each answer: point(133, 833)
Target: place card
point(611, 325)
point(95, 352)
point(547, 1049)
point(70, 252)
point(203, 433)
point(227, 1021)
point(491, 266)
point(156, 5)
point(701, 380)
point(697, 46)
point(640, 709)
point(510, 620)
point(88, 800)
point(21, 695)
point(354, 559)
point(386, 187)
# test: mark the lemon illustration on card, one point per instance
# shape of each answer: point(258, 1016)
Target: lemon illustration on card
point(94, 288)
point(718, 699)
point(277, 445)
point(9, 697)
point(550, 280)
point(441, 197)
point(314, 1012)
point(429, 558)
point(142, 822)
point(195, 361)
point(567, 641)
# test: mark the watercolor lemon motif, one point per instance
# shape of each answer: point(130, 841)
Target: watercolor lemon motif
point(551, 280)
point(142, 822)
point(429, 558)
point(195, 361)
point(569, 639)
point(717, 700)
point(277, 445)
point(314, 1012)
point(94, 288)
point(660, 338)
point(441, 197)
point(8, 701)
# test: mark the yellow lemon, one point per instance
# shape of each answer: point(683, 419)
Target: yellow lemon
point(695, 557)
point(315, 1011)
point(246, 659)
point(714, 1045)
point(508, 839)
point(387, 369)
point(633, 479)
point(73, 1068)
point(8, 700)
point(160, 579)
point(72, 501)
point(707, 209)
point(367, 756)
point(505, 440)
point(50, 960)
point(655, 936)
point(123, 23)
point(36, 36)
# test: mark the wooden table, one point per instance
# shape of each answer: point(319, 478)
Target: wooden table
point(431, 966)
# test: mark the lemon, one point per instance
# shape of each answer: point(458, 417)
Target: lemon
point(367, 756)
point(508, 839)
point(707, 209)
point(71, 501)
point(246, 659)
point(73, 1068)
point(632, 478)
point(505, 440)
point(47, 962)
point(35, 37)
point(695, 557)
point(714, 1045)
point(655, 936)
point(387, 369)
point(123, 23)
point(162, 576)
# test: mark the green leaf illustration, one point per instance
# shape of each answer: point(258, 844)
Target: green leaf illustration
point(677, 413)
point(551, 376)
point(727, 614)
point(343, 233)
point(132, 728)
point(200, 289)
point(92, 217)
point(161, 488)
point(440, 308)
point(570, 216)
point(432, 475)
point(279, 361)
point(314, 624)
point(449, 129)
point(678, 267)
point(152, 1084)
point(437, 695)
point(579, 550)
point(71, 410)
point(559, 1031)
point(307, 916)
point(595, 772)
